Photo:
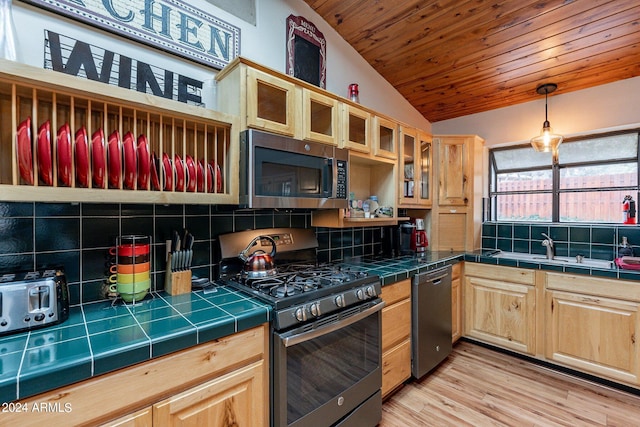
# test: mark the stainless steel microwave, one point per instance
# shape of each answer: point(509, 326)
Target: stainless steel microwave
point(281, 172)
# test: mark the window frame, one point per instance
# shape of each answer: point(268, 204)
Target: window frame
point(555, 168)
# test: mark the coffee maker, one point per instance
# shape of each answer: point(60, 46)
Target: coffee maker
point(419, 240)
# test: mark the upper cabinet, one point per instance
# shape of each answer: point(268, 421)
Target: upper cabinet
point(356, 128)
point(453, 176)
point(414, 168)
point(385, 138)
point(319, 117)
point(69, 139)
point(271, 103)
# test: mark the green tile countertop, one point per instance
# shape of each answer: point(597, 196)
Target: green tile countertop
point(613, 273)
point(393, 270)
point(102, 337)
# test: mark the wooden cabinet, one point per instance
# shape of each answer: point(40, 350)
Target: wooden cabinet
point(592, 325)
point(320, 118)
point(414, 169)
point(456, 302)
point(456, 218)
point(385, 137)
point(214, 383)
point(356, 128)
point(396, 335)
point(107, 122)
point(235, 399)
point(453, 171)
point(270, 103)
point(500, 306)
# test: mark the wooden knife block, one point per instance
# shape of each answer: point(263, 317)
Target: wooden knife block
point(177, 282)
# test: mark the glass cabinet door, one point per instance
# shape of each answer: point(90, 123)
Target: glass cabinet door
point(424, 194)
point(415, 168)
point(385, 138)
point(320, 117)
point(356, 129)
point(270, 103)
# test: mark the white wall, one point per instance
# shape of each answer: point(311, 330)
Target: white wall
point(608, 107)
point(263, 43)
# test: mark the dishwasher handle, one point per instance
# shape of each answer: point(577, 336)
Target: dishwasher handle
point(434, 276)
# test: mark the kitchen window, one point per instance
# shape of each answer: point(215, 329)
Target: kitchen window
point(588, 184)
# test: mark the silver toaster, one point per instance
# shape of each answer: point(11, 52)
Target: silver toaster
point(32, 300)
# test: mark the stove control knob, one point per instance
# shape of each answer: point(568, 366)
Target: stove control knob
point(301, 314)
point(360, 294)
point(370, 291)
point(315, 309)
point(340, 300)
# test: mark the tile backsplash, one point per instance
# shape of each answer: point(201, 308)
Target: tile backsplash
point(78, 236)
point(599, 241)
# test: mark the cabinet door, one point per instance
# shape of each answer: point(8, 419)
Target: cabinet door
point(356, 128)
point(453, 166)
point(424, 169)
point(270, 103)
point(415, 168)
point(385, 138)
point(396, 366)
point(456, 303)
point(237, 398)
point(320, 117)
point(501, 313)
point(141, 418)
point(593, 334)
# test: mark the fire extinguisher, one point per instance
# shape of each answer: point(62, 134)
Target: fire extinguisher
point(628, 210)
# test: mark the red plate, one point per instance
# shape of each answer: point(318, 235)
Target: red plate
point(82, 158)
point(179, 165)
point(191, 174)
point(44, 153)
point(64, 155)
point(23, 148)
point(200, 176)
point(210, 178)
point(155, 172)
point(97, 158)
point(144, 164)
point(114, 161)
point(130, 163)
point(167, 174)
point(218, 173)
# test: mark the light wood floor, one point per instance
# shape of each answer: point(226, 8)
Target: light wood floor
point(481, 387)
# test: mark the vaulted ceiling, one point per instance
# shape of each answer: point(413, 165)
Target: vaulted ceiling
point(450, 58)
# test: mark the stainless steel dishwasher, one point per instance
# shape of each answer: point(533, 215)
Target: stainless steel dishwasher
point(430, 320)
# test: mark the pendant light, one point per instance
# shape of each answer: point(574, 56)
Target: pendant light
point(547, 140)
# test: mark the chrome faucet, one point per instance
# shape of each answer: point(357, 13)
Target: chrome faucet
point(548, 243)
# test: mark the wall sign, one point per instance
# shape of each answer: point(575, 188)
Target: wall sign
point(80, 59)
point(170, 25)
point(306, 51)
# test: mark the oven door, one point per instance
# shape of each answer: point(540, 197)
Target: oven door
point(323, 372)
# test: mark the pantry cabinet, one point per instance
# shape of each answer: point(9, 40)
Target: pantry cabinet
point(500, 306)
point(396, 335)
point(592, 325)
point(221, 382)
point(456, 217)
point(69, 139)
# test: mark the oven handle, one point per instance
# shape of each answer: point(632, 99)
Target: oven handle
point(315, 333)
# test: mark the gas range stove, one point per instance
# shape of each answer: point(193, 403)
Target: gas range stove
point(300, 292)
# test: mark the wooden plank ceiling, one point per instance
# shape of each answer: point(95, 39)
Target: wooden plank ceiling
point(450, 58)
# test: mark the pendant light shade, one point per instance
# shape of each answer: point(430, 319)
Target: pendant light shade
point(547, 140)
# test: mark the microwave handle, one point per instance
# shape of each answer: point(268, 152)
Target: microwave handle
point(327, 178)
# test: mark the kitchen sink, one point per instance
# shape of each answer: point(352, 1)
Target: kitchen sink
point(558, 260)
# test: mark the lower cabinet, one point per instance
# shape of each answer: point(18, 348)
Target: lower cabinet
point(500, 306)
point(396, 335)
point(590, 327)
point(231, 400)
point(456, 302)
point(224, 382)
